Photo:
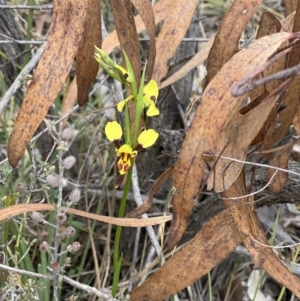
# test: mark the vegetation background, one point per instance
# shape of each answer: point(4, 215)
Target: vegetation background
point(61, 163)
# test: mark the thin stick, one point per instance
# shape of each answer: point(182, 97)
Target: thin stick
point(40, 7)
point(18, 81)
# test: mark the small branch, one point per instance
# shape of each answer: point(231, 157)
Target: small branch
point(23, 272)
point(18, 81)
point(139, 201)
point(37, 7)
point(58, 214)
point(104, 294)
point(238, 90)
point(241, 87)
point(22, 42)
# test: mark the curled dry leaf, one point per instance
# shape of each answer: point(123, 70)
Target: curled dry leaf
point(285, 116)
point(290, 6)
point(228, 36)
point(195, 61)
point(50, 75)
point(296, 122)
point(217, 107)
point(281, 177)
point(18, 209)
point(193, 261)
point(269, 24)
point(171, 34)
point(86, 65)
point(248, 224)
point(292, 92)
point(235, 140)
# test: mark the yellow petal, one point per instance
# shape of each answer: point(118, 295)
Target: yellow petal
point(152, 110)
point(147, 138)
point(150, 93)
point(113, 131)
point(126, 149)
point(121, 105)
point(125, 74)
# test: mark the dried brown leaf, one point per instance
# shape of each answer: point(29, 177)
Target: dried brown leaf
point(286, 116)
point(146, 12)
point(216, 240)
point(291, 106)
point(228, 36)
point(86, 65)
point(195, 61)
point(288, 22)
point(127, 34)
point(290, 6)
point(50, 75)
point(296, 122)
point(280, 179)
point(235, 140)
point(268, 24)
point(207, 249)
point(18, 209)
point(294, 56)
point(161, 10)
point(212, 115)
point(172, 32)
point(249, 226)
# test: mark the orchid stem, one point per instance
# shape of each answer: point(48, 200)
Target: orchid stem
point(117, 257)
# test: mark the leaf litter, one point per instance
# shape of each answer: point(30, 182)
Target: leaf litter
point(217, 127)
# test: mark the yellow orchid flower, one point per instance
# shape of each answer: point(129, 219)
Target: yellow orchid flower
point(126, 153)
point(114, 132)
point(125, 74)
point(150, 97)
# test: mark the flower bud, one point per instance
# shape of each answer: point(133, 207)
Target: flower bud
point(69, 232)
point(44, 247)
point(68, 133)
point(69, 162)
point(53, 180)
point(75, 195)
point(61, 218)
point(36, 217)
point(75, 246)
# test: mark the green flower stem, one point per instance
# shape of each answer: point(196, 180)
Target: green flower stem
point(117, 258)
